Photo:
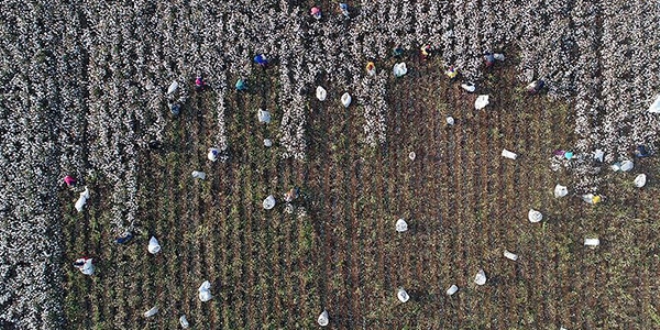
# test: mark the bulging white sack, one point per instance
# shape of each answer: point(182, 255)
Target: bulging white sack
point(346, 99)
point(469, 87)
point(640, 181)
point(184, 322)
point(480, 278)
point(264, 116)
point(321, 93)
point(198, 175)
point(173, 87)
point(534, 216)
point(323, 319)
point(591, 242)
point(82, 200)
point(269, 202)
point(151, 312)
point(205, 291)
point(509, 154)
point(510, 256)
point(560, 191)
point(452, 289)
point(401, 225)
point(153, 247)
point(400, 69)
point(402, 295)
point(481, 102)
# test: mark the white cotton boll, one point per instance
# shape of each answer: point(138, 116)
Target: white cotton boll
point(173, 87)
point(401, 225)
point(321, 93)
point(510, 256)
point(153, 247)
point(205, 291)
point(151, 312)
point(480, 278)
point(452, 289)
point(560, 191)
point(469, 87)
point(269, 202)
point(323, 319)
point(198, 175)
point(534, 216)
point(508, 154)
point(591, 242)
point(346, 100)
point(402, 295)
point(481, 102)
point(640, 181)
point(183, 322)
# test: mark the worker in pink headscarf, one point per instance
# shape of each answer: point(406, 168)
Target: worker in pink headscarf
point(316, 12)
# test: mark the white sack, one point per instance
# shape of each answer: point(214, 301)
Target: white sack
point(640, 181)
point(268, 143)
point(400, 69)
point(151, 312)
point(264, 116)
point(213, 154)
point(480, 278)
point(481, 102)
point(269, 202)
point(82, 200)
point(205, 291)
point(598, 155)
point(498, 56)
point(173, 87)
point(469, 87)
point(184, 322)
point(534, 216)
point(450, 120)
point(560, 191)
point(655, 106)
point(402, 295)
point(452, 289)
point(510, 256)
point(509, 154)
point(401, 225)
point(153, 247)
point(346, 99)
point(321, 93)
point(198, 175)
point(591, 242)
point(323, 319)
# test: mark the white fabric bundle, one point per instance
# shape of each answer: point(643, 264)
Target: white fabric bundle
point(510, 256)
point(509, 154)
point(153, 247)
point(184, 322)
point(205, 292)
point(213, 154)
point(87, 268)
point(323, 319)
point(198, 175)
point(534, 216)
point(591, 242)
point(640, 181)
point(452, 289)
point(402, 295)
point(268, 143)
point(560, 191)
point(481, 102)
point(346, 99)
point(151, 312)
point(400, 70)
point(82, 200)
point(321, 93)
point(173, 87)
point(401, 225)
point(480, 278)
point(264, 116)
point(469, 87)
point(269, 202)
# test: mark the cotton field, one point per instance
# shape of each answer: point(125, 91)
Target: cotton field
point(310, 128)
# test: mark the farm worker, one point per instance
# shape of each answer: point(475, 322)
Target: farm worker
point(240, 85)
point(175, 108)
point(489, 60)
point(213, 154)
point(154, 144)
point(425, 50)
point(535, 86)
point(84, 265)
point(316, 12)
point(371, 68)
point(398, 51)
point(292, 194)
point(199, 84)
point(344, 9)
point(452, 72)
point(70, 181)
point(591, 198)
point(641, 152)
point(124, 238)
point(261, 60)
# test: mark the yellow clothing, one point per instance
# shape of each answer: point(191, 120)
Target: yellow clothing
point(452, 73)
